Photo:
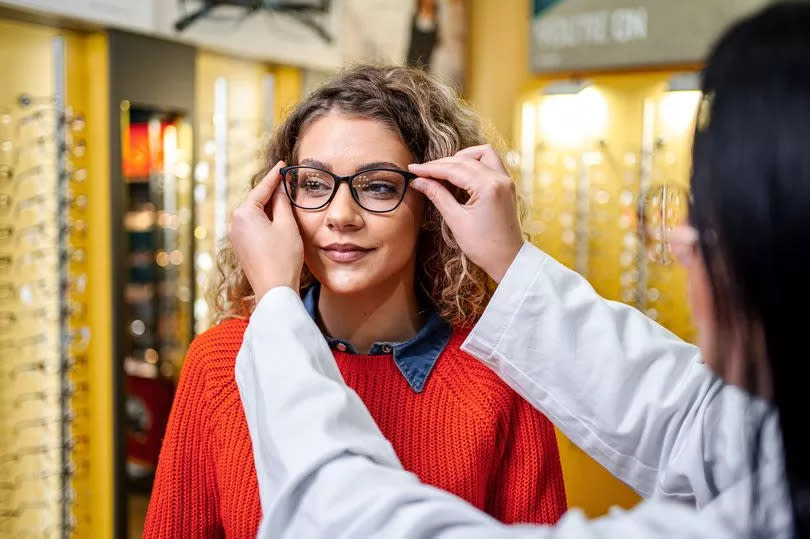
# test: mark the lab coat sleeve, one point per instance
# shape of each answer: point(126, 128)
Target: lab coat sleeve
point(627, 391)
point(325, 470)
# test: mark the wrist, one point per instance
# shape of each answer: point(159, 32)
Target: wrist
point(505, 262)
point(271, 297)
point(264, 286)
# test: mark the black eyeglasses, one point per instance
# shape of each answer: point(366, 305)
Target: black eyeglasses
point(378, 190)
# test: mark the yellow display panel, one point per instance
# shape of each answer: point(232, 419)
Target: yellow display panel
point(99, 269)
point(288, 90)
point(55, 414)
point(238, 102)
point(592, 151)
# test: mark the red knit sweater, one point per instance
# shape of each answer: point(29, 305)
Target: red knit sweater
point(466, 432)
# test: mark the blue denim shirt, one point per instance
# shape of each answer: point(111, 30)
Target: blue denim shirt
point(415, 357)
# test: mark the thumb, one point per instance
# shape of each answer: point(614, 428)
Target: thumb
point(280, 206)
point(438, 194)
point(261, 194)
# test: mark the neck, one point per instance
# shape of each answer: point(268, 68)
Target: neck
point(386, 313)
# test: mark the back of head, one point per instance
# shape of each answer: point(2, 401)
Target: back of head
point(751, 191)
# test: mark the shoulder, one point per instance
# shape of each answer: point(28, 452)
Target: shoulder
point(211, 356)
point(472, 377)
point(482, 387)
point(467, 365)
point(219, 341)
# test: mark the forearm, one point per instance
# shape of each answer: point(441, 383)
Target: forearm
point(298, 409)
point(623, 388)
point(324, 469)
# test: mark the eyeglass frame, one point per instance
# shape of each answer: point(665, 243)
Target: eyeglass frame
point(663, 241)
point(409, 176)
point(683, 242)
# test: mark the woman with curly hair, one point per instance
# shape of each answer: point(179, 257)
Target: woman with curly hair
point(394, 296)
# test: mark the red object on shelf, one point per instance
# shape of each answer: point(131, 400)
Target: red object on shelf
point(149, 401)
point(135, 158)
point(138, 160)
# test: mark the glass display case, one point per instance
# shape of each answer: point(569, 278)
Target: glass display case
point(158, 292)
point(593, 155)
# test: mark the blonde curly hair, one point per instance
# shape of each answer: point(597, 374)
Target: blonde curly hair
point(434, 123)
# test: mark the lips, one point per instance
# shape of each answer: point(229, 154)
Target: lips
point(344, 252)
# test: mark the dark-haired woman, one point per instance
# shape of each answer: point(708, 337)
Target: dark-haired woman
point(720, 448)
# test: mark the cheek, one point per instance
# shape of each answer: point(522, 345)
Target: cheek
point(399, 237)
point(308, 223)
point(407, 224)
point(702, 304)
point(416, 205)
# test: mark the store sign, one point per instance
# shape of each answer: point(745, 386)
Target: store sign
point(571, 35)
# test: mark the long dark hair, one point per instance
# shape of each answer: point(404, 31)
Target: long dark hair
point(751, 193)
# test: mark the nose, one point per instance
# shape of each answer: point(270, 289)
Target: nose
point(343, 213)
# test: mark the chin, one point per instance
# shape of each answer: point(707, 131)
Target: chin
point(344, 286)
point(342, 281)
point(356, 278)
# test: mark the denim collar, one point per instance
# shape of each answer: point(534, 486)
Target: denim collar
point(415, 357)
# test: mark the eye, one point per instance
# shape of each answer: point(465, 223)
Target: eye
point(380, 187)
point(379, 184)
point(311, 184)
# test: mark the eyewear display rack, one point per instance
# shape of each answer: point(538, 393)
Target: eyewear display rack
point(44, 335)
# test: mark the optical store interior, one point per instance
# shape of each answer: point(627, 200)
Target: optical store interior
point(130, 130)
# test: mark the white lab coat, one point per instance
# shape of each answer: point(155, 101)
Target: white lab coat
point(624, 389)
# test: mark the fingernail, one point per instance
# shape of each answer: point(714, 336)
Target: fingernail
point(418, 184)
point(415, 165)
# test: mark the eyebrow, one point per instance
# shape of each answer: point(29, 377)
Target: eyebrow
point(365, 166)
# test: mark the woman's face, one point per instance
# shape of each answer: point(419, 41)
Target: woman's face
point(684, 243)
point(348, 249)
point(730, 362)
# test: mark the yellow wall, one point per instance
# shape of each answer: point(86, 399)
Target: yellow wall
point(604, 150)
point(561, 153)
point(497, 60)
point(288, 90)
point(100, 273)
